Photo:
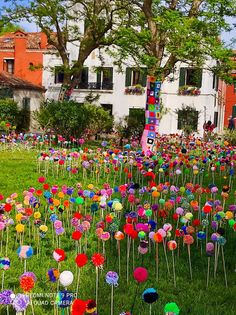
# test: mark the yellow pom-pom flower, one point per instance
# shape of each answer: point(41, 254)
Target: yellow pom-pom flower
point(19, 217)
point(20, 228)
point(43, 228)
point(37, 215)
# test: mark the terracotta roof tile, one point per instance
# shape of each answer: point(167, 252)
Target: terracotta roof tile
point(33, 41)
point(10, 80)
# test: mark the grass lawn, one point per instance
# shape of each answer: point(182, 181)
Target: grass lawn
point(19, 172)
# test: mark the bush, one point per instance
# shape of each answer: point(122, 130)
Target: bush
point(8, 113)
point(70, 118)
point(230, 136)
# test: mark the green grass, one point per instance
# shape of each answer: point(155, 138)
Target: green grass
point(18, 173)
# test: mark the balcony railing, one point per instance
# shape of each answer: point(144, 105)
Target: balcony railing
point(95, 86)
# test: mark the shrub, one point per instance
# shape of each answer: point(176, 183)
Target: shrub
point(8, 113)
point(70, 118)
point(230, 136)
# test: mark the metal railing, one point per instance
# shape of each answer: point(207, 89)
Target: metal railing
point(95, 86)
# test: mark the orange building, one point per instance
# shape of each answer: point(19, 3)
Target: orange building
point(21, 54)
point(228, 93)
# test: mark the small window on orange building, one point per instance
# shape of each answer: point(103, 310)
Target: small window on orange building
point(8, 65)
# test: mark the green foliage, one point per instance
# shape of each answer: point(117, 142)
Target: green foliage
point(61, 22)
point(8, 112)
point(187, 119)
point(230, 136)
point(131, 125)
point(70, 118)
point(162, 33)
point(18, 173)
point(9, 27)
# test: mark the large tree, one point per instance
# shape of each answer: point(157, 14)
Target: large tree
point(164, 32)
point(155, 33)
point(90, 24)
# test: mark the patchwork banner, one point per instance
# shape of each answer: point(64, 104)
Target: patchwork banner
point(152, 116)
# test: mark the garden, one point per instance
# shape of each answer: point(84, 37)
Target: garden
point(93, 228)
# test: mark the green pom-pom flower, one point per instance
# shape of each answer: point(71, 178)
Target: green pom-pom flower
point(172, 308)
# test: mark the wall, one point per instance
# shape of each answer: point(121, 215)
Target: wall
point(36, 97)
point(22, 59)
point(206, 103)
point(230, 101)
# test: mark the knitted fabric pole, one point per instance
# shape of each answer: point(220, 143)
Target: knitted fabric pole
point(152, 115)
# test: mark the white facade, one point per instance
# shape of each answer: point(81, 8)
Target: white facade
point(35, 98)
point(206, 103)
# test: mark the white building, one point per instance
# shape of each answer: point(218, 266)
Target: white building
point(115, 89)
point(27, 95)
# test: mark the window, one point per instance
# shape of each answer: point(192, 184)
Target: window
point(105, 79)
point(215, 82)
point(136, 76)
point(84, 79)
point(190, 77)
point(8, 65)
point(187, 117)
point(26, 103)
point(234, 111)
point(234, 86)
point(216, 114)
point(59, 75)
point(25, 113)
point(108, 108)
point(6, 93)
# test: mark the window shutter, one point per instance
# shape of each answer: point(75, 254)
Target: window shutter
point(111, 74)
point(128, 77)
point(216, 119)
point(234, 111)
point(85, 75)
point(143, 77)
point(199, 78)
point(99, 78)
point(179, 126)
point(182, 75)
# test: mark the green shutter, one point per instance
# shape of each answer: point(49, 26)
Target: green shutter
point(234, 111)
point(99, 77)
point(128, 77)
point(85, 74)
point(143, 77)
point(182, 75)
point(199, 78)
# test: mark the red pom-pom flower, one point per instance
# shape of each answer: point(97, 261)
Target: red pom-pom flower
point(98, 259)
point(76, 235)
point(27, 283)
point(140, 274)
point(81, 260)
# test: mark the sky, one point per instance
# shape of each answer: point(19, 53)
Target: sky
point(226, 36)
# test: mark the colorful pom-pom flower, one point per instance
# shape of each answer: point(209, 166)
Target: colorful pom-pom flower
point(59, 254)
point(171, 308)
point(53, 274)
point(150, 295)
point(112, 278)
point(98, 260)
point(81, 260)
point(140, 274)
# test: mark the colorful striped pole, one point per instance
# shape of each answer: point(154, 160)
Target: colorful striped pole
point(152, 115)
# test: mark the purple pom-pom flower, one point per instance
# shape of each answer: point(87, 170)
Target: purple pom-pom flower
point(20, 302)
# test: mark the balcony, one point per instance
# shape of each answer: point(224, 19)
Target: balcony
point(189, 90)
point(96, 86)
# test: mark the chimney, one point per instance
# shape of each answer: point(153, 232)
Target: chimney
point(44, 41)
point(20, 41)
